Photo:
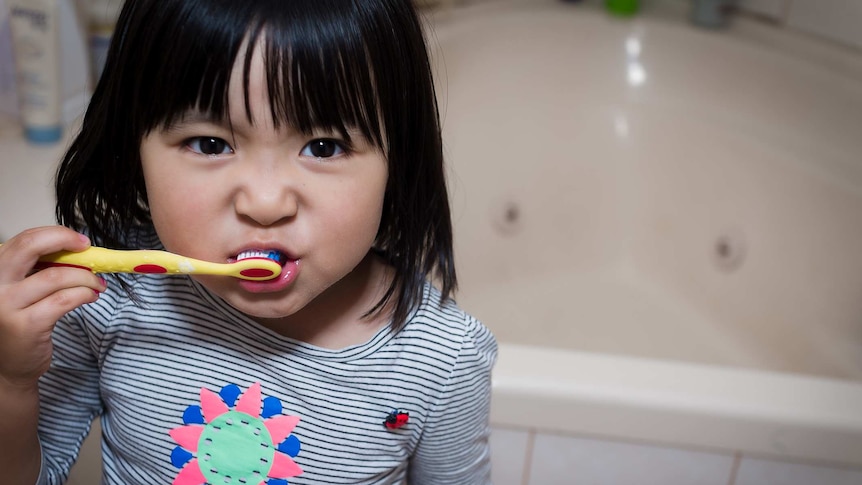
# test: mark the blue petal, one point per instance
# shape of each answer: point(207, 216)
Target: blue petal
point(290, 446)
point(276, 481)
point(229, 394)
point(179, 457)
point(271, 407)
point(193, 415)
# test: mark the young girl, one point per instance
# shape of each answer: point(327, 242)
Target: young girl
point(304, 128)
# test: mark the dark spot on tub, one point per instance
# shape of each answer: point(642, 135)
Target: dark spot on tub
point(506, 217)
point(512, 214)
point(729, 250)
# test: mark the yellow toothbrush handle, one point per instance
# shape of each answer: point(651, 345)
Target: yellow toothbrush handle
point(146, 261)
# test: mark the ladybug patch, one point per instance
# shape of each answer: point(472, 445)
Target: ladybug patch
point(396, 419)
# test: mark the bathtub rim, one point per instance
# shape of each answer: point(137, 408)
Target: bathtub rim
point(678, 404)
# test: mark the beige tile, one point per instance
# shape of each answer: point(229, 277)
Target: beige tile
point(561, 460)
point(766, 472)
point(508, 455)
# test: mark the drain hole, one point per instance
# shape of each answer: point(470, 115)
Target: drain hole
point(729, 251)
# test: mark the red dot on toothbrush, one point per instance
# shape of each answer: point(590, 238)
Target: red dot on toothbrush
point(257, 273)
point(150, 268)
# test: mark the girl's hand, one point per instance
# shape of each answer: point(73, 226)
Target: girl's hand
point(32, 302)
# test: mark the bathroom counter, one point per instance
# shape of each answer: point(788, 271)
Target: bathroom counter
point(26, 183)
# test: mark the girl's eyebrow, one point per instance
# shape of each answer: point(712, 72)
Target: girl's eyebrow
point(191, 117)
point(195, 116)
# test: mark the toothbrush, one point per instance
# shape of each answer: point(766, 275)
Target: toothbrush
point(146, 261)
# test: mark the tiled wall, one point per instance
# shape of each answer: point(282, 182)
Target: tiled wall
point(521, 457)
point(836, 20)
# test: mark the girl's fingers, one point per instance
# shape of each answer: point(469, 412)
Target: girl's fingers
point(30, 308)
point(25, 334)
point(31, 304)
point(47, 283)
point(57, 304)
point(19, 255)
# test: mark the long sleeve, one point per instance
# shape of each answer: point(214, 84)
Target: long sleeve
point(454, 445)
point(69, 395)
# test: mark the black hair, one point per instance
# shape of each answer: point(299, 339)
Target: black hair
point(331, 64)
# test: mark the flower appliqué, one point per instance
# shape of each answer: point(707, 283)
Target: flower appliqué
point(233, 439)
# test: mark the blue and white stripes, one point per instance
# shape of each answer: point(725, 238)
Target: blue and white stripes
point(140, 367)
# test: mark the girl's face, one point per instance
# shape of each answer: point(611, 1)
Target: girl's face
point(217, 190)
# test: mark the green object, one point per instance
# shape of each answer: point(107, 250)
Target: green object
point(623, 8)
point(235, 446)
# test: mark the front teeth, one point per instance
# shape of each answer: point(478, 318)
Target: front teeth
point(272, 254)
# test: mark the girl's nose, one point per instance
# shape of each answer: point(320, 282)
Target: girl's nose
point(267, 199)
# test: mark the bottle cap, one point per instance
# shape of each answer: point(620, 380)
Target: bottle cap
point(43, 134)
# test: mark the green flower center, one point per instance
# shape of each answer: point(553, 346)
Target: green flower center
point(234, 447)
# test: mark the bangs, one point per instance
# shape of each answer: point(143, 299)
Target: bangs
point(318, 57)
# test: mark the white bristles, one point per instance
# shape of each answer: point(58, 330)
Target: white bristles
point(256, 253)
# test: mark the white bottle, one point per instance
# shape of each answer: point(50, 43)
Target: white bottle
point(36, 44)
point(102, 17)
point(8, 92)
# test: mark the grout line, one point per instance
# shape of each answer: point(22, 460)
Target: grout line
point(734, 470)
point(528, 457)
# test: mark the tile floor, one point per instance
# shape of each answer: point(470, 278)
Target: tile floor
point(522, 457)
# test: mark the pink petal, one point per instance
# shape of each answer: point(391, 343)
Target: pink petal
point(212, 405)
point(190, 475)
point(249, 402)
point(283, 466)
point(187, 436)
point(280, 427)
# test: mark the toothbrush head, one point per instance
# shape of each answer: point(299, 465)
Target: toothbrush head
point(257, 269)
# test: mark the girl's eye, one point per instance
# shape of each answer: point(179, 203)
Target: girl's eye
point(322, 148)
point(208, 145)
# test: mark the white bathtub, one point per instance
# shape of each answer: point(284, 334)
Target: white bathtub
point(662, 225)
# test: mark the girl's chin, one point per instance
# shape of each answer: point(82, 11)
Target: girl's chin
point(262, 311)
point(255, 304)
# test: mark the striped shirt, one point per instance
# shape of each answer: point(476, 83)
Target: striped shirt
point(166, 376)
